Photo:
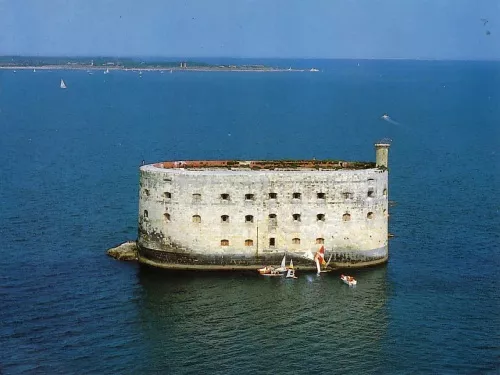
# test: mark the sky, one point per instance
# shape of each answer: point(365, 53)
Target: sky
point(356, 29)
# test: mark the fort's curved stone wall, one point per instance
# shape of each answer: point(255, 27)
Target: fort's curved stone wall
point(221, 218)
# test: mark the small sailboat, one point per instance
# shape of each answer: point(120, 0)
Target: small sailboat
point(290, 274)
point(62, 85)
point(385, 116)
point(282, 268)
point(106, 71)
point(319, 258)
point(34, 70)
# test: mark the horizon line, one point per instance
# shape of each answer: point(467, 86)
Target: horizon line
point(178, 58)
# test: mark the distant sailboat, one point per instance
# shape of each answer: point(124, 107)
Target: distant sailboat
point(34, 70)
point(106, 71)
point(63, 85)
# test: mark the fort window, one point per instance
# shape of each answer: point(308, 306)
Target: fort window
point(167, 195)
point(371, 180)
point(347, 195)
point(346, 217)
point(196, 219)
point(369, 215)
point(248, 219)
point(224, 218)
point(384, 192)
point(320, 217)
point(273, 220)
point(296, 241)
point(249, 197)
point(146, 191)
point(320, 195)
point(272, 242)
point(145, 213)
point(296, 195)
point(224, 197)
point(273, 196)
point(248, 242)
point(296, 217)
point(166, 216)
point(196, 197)
point(224, 242)
point(371, 193)
point(320, 241)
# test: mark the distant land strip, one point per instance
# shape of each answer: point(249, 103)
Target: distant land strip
point(235, 68)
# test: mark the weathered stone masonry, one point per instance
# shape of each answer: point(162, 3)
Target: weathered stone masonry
point(237, 215)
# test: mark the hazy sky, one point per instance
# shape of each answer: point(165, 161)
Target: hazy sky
point(426, 29)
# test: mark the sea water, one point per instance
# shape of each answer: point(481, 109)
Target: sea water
point(68, 191)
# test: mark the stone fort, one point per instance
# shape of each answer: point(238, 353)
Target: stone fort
point(233, 215)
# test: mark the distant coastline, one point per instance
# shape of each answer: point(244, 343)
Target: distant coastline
point(236, 68)
point(55, 63)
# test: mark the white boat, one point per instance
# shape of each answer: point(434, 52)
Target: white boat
point(349, 280)
point(290, 274)
point(63, 85)
point(269, 271)
point(34, 70)
point(385, 116)
point(314, 70)
point(106, 71)
point(274, 271)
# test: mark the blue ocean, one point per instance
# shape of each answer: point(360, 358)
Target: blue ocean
point(69, 191)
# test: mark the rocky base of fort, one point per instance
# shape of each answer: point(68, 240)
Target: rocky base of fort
point(233, 262)
point(125, 251)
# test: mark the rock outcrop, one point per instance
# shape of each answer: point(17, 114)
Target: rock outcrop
point(125, 251)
